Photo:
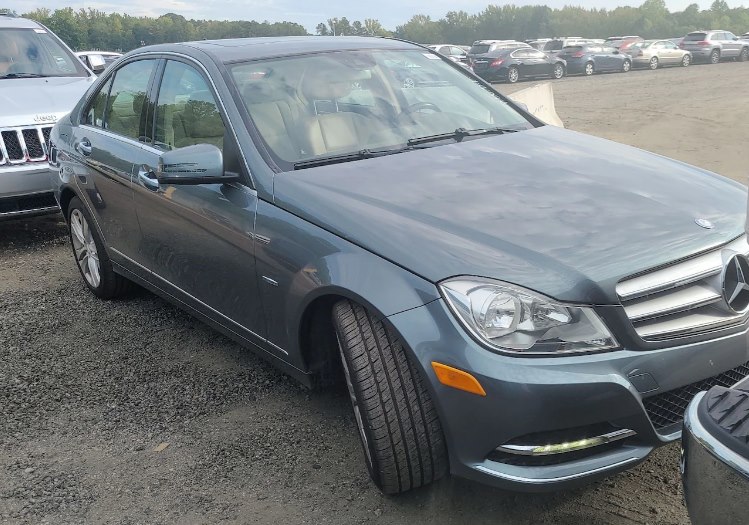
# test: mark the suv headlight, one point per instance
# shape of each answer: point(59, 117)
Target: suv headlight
point(513, 319)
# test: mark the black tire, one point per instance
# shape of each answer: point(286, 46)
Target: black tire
point(715, 56)
point(626, 66)
point(400, 431)
point(653, 63)
point(111, 284)
point(744, 55)
point(589, 68)
point(558, 71)
point(513, 75)
point(686, 61)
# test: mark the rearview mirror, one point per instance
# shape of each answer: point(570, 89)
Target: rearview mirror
point(198, 164)
point(96, 63)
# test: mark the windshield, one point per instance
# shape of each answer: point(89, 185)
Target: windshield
point(36, 52)
point(334, 103)
point(692, 37)
point(479, 49)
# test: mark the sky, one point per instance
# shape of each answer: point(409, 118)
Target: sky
point(310, 12)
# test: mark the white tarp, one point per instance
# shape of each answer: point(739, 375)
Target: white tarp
point(539, 100)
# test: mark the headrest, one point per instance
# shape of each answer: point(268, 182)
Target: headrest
point(327, 84)
point(261, 91)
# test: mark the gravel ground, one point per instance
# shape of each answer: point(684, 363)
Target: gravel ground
point(130, 411)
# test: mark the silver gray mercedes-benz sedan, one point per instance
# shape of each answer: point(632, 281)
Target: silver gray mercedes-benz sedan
point(510, 302)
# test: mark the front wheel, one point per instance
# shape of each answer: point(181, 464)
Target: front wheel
point(90, 255)
point(558, 71)
point(626, 66)
point(513, 75)
point(653, 63)
point(589, 68)
point(400, 431)
point(686, 60)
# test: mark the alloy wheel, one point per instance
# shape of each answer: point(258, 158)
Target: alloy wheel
point(686, 61)
point(589, 68)
point(654, 63)
point(513, 75)
point(84, 247)
point(715, 57)
point(626, 66)
point(558, 71)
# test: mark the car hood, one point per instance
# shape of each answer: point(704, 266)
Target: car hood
point(29, 101)
point(549, 209)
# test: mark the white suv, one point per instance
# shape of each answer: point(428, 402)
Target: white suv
point(40, 81)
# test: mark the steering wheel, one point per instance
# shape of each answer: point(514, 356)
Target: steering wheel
point(418, 106)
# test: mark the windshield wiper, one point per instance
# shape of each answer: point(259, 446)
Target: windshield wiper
point(24, 75)
point(346, 157)
point(459, 134)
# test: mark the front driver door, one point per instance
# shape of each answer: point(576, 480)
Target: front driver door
point(198, 239)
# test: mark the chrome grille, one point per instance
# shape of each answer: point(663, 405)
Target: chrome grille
point(25, 144)
point(682, 299)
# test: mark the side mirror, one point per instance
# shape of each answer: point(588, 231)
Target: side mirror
point(96, 63)
point(198, 164)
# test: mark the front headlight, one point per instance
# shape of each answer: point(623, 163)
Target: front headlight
point(513, 319)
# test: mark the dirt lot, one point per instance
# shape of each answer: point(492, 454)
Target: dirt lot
point(91, 391)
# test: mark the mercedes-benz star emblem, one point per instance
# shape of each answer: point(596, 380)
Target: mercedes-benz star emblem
point(735, 286)
point(704, 223)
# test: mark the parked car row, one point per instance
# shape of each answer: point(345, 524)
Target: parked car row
point(511, 60)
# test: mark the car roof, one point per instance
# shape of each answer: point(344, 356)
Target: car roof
point(11, 22)
point(241, 49)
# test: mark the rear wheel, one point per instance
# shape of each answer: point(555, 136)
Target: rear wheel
point(589, 68)
point(744, 55)
point(91, 256)
point(513, 75)
point(654, 63)
point(715, 56)
point(626, 66)
point(686, 60)
point(398, 425)
point(558, 71)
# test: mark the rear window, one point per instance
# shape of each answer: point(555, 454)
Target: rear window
point(554, 45)
point(695, 37)
point(479, 49)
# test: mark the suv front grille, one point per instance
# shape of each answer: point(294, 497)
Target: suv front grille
point(682, 299)
point(26, 144)
point(668, 408)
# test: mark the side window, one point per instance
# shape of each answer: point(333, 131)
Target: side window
point(520, 53)
point(728, 35)
point(536, 54)
point(94, 113)
point(186, 112)
point(126, 106)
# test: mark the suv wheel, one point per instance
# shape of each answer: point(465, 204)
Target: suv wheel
point(589, 68)
point(744, 55)
point(558, 71)
point(654, 63)
point(398, 425)
point(513, 75)
point(626, 66)
point(90, 255)
point(715, 56)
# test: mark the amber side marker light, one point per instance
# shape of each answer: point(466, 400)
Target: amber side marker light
point(459, 379)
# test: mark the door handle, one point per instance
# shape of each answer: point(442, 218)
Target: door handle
point(147, 178)
point(84, 147)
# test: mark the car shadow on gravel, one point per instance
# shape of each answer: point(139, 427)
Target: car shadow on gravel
point(32, 233)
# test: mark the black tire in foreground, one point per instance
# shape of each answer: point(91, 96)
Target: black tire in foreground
point(91, 256)
point(398, 425)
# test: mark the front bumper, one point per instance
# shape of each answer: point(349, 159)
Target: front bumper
point(715, 478)
point(533, 396)
point(25, 190)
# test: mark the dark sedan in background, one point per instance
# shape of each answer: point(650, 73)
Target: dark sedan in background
point(589, 59)
point(511, 65)
point(514, 303)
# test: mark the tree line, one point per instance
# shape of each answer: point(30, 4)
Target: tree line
point(94, 29)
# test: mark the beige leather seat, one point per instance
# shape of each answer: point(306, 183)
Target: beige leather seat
point(276, 113)
point(328, 130)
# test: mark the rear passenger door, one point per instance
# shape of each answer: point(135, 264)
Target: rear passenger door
point(198, 240)
point(107, 144)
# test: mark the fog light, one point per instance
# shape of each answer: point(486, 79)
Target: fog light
point(566, 446)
